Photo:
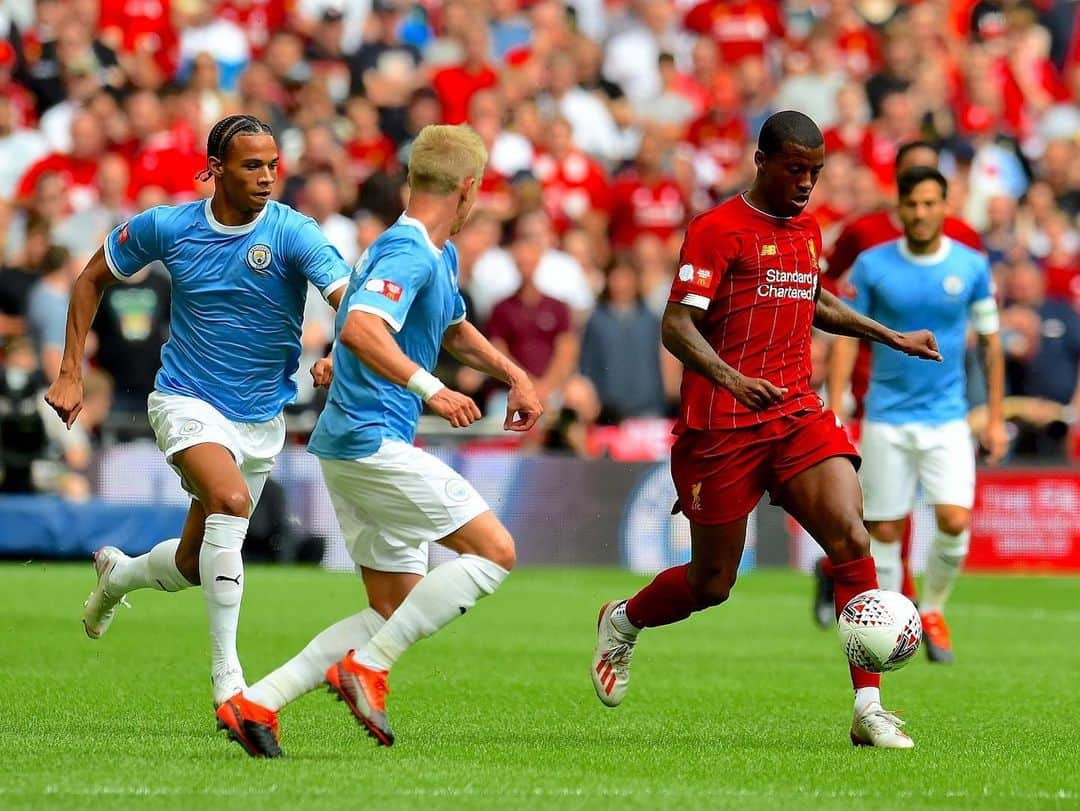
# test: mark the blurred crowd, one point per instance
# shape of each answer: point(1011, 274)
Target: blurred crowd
point(609, 123)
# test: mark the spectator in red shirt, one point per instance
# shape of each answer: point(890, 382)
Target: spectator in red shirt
point(455, 85)
point(849, 131)
point(741, 28)
point(77, 169)
point(646, 200)
point(21, 99)
point(897, 123)
point(136, 27)
point(719, 137)
point(574, 185)
point(369, 150)
point(534, 329)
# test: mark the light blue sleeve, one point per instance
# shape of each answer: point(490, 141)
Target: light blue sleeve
point(459, 308)
point(860, 282)
point(983, 287)
point(134, 244)
point(388, 287)
point(313, 255)
point(459, 300)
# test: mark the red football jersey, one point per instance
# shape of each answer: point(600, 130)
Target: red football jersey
point(571, 187)
point(756, 276)
point(656, 207)
point(741, 28)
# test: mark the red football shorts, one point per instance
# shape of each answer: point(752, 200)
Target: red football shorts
point(720, 476)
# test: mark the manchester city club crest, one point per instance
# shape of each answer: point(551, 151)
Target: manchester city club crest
point(259, 257)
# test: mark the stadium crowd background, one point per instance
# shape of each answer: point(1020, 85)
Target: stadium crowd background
point(609, 123)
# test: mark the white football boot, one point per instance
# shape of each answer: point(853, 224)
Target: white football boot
point(611, 660)
point(100, 606)
point(880, 728)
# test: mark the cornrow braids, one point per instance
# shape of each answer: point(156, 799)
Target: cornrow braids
point(222, 133)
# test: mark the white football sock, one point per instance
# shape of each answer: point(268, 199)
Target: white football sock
point(154, 570)
point(307, 670)
point(947, 554)
point(622, 622)
point(890, 570)
point(441, 597)
point(221, 569)
point(864, 697)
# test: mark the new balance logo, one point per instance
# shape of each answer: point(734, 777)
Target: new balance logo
point(221, 577)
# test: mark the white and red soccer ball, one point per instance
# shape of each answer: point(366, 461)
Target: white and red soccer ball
point(880, 630)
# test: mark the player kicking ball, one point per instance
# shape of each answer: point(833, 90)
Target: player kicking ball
point(240, 265)
point(391, 498)
point(915, 430)
point(742, 306)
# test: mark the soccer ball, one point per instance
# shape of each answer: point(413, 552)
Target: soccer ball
point(880, 630)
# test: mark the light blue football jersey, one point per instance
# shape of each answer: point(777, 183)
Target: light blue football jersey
point(411, 285)
point(238, 297)
point(907, 292)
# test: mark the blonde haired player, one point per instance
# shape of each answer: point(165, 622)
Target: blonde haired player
point(391, 498)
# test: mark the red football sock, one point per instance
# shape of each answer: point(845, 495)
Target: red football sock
point(907, 586)
point(848, 580)
point(667, 599)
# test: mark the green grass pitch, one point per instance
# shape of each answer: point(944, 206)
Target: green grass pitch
point(746, 706)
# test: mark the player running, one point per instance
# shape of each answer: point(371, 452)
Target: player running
point(915, 430)
point(739, 317)
point(850, 361)
point(391, 498)
point(240, 265)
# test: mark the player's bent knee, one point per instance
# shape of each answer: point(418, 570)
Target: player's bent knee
point(954, 522)
point(500, 549)
point(710, 590)
point(852, 542)
point(229, 502)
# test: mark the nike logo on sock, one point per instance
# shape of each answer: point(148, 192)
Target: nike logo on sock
point(235, 580)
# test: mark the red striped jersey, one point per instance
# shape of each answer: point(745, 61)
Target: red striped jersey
point(756, 276)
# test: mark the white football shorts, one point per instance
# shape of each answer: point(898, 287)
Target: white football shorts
point(392, 504)
point(181, 422)
point(898, 458)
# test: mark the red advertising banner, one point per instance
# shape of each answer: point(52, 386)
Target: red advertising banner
point(1026, 519)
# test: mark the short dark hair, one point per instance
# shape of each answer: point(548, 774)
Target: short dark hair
point(912, 145)
point(223, 132)
point(908, 180)
point(789, 127)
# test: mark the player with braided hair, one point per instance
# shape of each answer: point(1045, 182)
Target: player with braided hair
point(240, 265)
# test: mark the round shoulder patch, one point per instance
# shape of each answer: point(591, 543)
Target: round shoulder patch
point(259, 257)
point(686, 273)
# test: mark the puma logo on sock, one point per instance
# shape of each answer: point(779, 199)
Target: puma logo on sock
point(221, 577)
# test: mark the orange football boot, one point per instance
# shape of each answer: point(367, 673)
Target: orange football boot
point(364, 691)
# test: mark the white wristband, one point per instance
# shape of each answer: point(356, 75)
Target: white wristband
point(425, 384)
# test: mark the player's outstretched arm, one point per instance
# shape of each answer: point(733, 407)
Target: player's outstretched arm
point(466, 343)
point(65, 394)
point(993, 437)
point(833, 315)
point(684, 340)
point(367, 336)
